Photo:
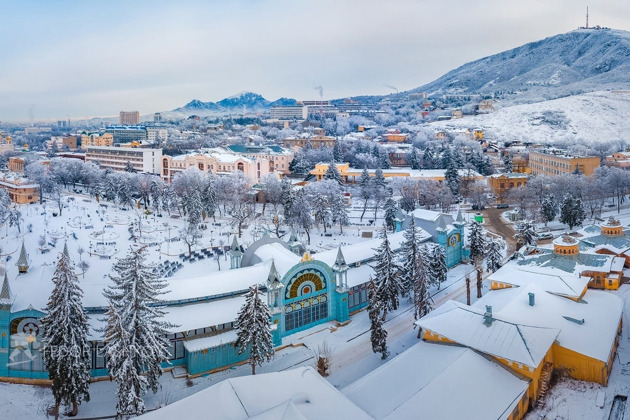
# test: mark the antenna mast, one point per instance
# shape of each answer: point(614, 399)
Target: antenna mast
point(586, 17)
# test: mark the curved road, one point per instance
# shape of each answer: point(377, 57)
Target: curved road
point(495, 223)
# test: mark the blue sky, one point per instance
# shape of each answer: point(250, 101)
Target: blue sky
point(95, 58)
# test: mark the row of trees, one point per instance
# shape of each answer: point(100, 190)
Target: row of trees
point(136, 336)
point(572, 197)
point(411, 275)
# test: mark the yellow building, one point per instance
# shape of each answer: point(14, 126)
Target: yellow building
point(352, 175)
point(395, 135)
point(20, 190)
point(316, 141)
point(96, 139)
point(619, 160)
point(478, 133)
point(542, 163)
point(502, 184)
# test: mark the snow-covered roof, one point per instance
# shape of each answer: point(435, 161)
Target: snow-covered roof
point(601, 312)
point(548, 279)
point(435, 381)
point(575, 264)
point(510, 340)
point(283, 258)
point(299, 393)
point(365, 250)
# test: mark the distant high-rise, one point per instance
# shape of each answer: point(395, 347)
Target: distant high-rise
point(129, 118)
point(157, 117)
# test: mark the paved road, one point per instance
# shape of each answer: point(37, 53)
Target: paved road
point(496, 224)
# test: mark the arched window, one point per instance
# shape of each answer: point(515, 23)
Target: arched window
point(240, 167)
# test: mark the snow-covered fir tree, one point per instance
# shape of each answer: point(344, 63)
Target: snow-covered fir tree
point(287, 196)
point(437, 266)
point(339, 211)
point(378, 334)
point(134, 297)
point(413, 159)
point(333, 173)
point(476, 241)
point(494, 258)
point(409, 253)
point(390, 213)
point(387, 276)
point(422, 301)
point(337, 151)
point(254, 329)
point(507, 163)
point(452, 178)
point(572, 211)
point(526, 233)
point(548, 209)
point(122, 364)
point(379, 190)
point(321, 210)
point(65, 336)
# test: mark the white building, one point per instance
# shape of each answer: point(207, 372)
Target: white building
point(291, 112)
point(116, 158)
point(157, 135)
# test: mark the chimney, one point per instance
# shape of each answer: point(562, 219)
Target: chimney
point(531, 298)
point(487, 317)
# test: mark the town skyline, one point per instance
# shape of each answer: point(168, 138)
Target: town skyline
point(75, 60)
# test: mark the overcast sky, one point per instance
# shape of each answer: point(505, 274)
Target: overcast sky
point(89, 58)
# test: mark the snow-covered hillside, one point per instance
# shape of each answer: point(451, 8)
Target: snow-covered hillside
point(596, 117)
point(579, 61)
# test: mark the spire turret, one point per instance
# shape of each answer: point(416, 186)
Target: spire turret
point(22, 262)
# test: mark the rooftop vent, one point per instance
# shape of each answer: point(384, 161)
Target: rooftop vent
point(532, 298)
point(487, 317)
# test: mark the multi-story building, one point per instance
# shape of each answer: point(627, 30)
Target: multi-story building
point(6, 144)
point(289, 112)
point(555, 163)
point(394, 135)
point(96, 139)
point(216, 161)
point(20, 189)
point(68, 141)
point(279, 158)
point(157, 135)
point(129, 117)
point(127, 133)
point(322, 111)
point(619, 160)
point(501, 184)
point(317, 140)
point(118, 158)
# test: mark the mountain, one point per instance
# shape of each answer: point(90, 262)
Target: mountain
point(584, 60)
point(249, 100)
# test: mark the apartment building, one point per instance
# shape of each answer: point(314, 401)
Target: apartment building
point(127, 133)
point(60, 142)
point(556, 163)
point(290, 112)
point(117, 158)
point(96, 139)
point(129, 118)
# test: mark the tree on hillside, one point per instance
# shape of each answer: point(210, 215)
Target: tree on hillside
point(254, 329)
point(134, 355)
point(300, 215)
point(378, 334)
point(387, 274)
point(65, 335)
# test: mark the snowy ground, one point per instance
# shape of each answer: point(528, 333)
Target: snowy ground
point(352, 354)
point(574, 117)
